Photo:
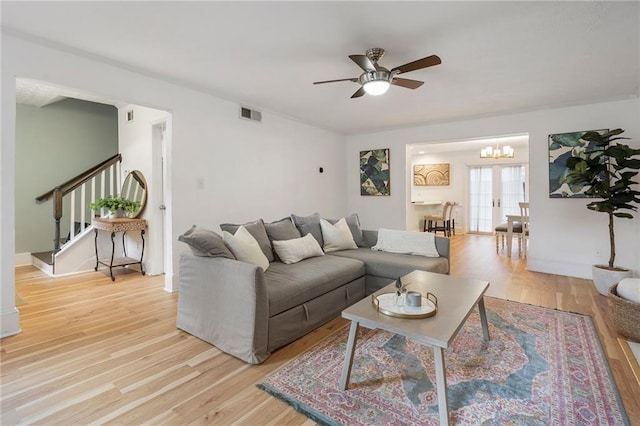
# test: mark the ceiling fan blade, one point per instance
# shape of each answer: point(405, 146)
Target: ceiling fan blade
point(363, 62)
point(405, 82)
point(429, 61)
point(355, 79)
point(358, 93)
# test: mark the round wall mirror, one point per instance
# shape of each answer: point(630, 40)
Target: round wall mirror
point(134, 188)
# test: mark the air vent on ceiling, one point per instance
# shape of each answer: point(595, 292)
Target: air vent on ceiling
point(250, 114)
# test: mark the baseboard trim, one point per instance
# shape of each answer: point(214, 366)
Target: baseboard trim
point(10, 323)
point(171, 283)
point(23, 259)
point(80, 271)
point(568, 269)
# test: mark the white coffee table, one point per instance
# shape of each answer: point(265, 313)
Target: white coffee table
point(456, 299)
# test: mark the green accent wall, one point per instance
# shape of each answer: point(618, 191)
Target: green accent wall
point(54, 143)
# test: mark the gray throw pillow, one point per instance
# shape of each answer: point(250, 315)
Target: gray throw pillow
point(205, 243)
point(258, 231)
point(354, 226)
point(282, 230)
point(309, 225)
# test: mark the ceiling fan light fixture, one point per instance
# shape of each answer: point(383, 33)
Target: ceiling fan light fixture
point(376, 87)
point(376, 79)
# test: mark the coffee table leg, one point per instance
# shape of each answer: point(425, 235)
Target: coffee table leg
point(483, 319)
point(441, 385)
point(348, 358)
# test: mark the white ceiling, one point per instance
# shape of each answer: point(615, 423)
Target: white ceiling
point(497, 57)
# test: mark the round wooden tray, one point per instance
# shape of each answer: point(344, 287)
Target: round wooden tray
point(386, 303)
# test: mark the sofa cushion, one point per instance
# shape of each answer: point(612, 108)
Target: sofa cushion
point(337, 236)
point(354, 226)
point(394, 265)
point(245, 247)
point(309, 225)
point(297, 249)
point(257, 229)
point(292, 285)
point(283, 229)
point(205, 243)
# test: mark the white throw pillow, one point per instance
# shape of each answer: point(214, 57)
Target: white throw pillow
point(245, 247)
point(293, 251)
point(407, 242)
point(337, 237)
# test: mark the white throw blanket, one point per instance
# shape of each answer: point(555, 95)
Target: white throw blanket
point(407, 242)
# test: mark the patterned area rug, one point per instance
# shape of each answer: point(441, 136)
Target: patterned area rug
point(541, 367)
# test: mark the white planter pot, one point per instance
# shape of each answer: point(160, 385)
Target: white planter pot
point(605, 278)
point(119, 213)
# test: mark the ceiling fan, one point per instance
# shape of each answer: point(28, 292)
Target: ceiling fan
point(375, 80)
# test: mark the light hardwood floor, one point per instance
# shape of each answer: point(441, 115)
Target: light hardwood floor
point(93, 352)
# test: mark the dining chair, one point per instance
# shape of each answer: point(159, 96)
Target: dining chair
point(451, 219)
point(520, 230)
point(431, 221)
point(501, 233)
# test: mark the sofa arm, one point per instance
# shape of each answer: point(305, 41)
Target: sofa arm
point(224, 302)
point(443, 245)
point(370, 237)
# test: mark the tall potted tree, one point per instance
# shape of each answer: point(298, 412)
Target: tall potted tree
point(607, 170)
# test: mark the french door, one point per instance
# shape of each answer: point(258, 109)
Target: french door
point(494, 192)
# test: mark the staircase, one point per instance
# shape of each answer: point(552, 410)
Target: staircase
point(43, 261)
point(76, 252)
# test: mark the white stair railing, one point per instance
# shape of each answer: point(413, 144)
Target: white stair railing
point(80, 213)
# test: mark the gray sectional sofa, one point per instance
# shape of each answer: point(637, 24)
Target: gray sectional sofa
point(248, 312)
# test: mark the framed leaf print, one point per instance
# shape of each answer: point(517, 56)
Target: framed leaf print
point(561, 147)
point(374, 172)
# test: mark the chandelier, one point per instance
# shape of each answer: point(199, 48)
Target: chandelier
point(491, 152)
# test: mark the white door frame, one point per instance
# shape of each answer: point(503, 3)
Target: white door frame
point(161, 210)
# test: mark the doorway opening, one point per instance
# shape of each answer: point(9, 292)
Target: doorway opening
point(143, 137)
point(457, 157)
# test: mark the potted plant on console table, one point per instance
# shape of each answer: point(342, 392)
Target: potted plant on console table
point(607, 171)
point(117, 206)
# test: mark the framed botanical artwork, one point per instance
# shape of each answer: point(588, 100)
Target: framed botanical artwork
point(561, 147)
point(431, 174)
point(374, 172)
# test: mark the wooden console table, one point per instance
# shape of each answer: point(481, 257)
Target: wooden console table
point(114, 226)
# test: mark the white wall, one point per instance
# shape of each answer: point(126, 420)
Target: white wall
point(565, 235)
point(221, 168)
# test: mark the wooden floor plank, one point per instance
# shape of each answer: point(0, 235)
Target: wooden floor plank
point(102, 352)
